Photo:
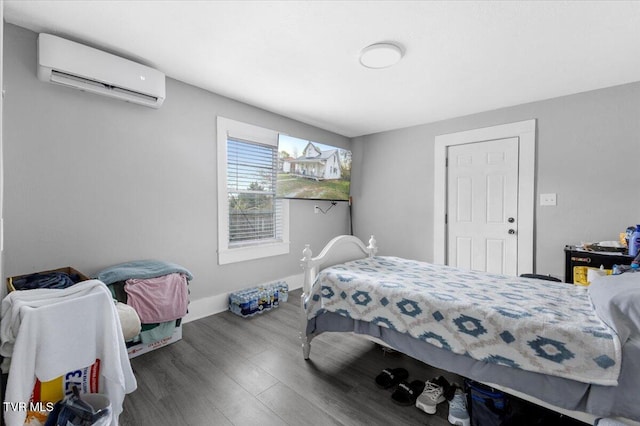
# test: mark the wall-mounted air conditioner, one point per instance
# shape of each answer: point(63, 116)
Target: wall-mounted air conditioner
point(82, 67)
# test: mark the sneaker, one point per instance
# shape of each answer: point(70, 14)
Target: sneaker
point(432, 395)
point(458, 414)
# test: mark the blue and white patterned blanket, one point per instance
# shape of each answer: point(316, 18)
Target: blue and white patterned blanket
point(541, 326)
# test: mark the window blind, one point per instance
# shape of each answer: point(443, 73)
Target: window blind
point(255, 215)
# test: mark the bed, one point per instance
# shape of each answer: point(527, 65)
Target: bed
point(572, 349)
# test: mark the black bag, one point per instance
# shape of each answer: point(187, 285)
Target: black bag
point(487, 406)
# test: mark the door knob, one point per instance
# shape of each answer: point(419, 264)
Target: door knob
point(511, 220)
point(512, 231)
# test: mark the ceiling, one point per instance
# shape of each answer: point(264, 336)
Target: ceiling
point(300, 58)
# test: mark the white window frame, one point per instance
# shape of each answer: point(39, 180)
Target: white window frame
point(248, 132)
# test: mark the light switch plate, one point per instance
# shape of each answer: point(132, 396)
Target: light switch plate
point(548, 199)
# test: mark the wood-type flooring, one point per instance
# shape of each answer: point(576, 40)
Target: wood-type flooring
point(229, 370)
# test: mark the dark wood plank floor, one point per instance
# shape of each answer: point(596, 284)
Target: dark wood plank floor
point(229, 370)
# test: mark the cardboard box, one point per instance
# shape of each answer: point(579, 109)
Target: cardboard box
point(140, 348)
point(581, 274)
point(67, 270)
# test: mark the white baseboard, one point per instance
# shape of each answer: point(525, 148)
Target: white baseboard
point(211, 305)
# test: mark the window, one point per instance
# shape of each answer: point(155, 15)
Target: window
point(254, 215)
point(252, 223)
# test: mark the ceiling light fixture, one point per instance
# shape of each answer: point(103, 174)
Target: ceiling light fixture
point(381, 55)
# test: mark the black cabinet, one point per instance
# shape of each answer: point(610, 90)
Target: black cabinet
point(577, 259)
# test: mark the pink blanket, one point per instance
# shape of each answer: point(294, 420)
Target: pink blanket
point(158, 299)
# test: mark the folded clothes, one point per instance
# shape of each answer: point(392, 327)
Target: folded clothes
point(46, 280)
point(161, 331)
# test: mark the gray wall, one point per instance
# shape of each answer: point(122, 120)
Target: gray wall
point(91, 181)
point(588, 152)
point(1, 115)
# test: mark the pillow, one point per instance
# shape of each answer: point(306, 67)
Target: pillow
point(616, 299)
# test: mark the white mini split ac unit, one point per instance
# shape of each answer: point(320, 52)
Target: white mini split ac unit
point(82, 67)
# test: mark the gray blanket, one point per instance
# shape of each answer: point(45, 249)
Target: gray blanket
point(142, 269)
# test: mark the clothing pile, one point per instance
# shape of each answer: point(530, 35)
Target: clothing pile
point(53, 279)
point(152, 297)
point(51, 335)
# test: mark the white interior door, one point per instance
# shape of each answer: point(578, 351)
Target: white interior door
point(482, 206)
